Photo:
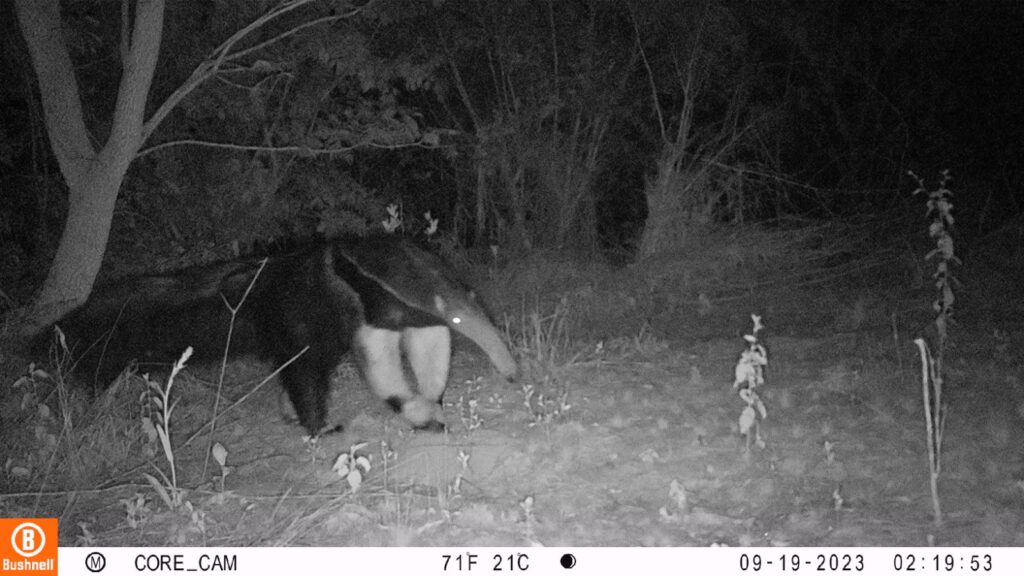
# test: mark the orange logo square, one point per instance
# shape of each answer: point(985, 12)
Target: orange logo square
point(28, 546)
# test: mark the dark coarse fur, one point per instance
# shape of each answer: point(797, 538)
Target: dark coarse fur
point(314, 299)
point(295, 302)
point(151, 318)
point(410, 276)
point(403, 286)
point(302, 303)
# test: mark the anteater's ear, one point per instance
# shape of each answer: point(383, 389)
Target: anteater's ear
point(442, 309)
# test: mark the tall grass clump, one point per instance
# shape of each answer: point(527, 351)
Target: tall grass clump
point(543, 344)
point(749, 376)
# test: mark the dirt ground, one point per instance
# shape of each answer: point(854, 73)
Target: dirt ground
point(629, 438)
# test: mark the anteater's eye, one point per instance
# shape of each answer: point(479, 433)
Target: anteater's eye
point(456, 320)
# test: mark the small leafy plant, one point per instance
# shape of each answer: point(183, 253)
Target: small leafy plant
point(220, 455)
point(351, 466)
point(548, 401)
point(677, 494)
point(749, 376)
point(469, 406)
point(394, 220)
point(529, 519)
point(136, 510)
point(159, 423)
point(454, 488)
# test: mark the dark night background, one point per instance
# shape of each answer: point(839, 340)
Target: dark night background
point(531, 124)
point(623, 182)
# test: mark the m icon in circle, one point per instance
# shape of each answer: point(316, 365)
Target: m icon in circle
point(95, 562)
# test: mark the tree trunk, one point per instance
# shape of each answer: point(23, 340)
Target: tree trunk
point(93, 176)
point(667, 223)
point(82, 244)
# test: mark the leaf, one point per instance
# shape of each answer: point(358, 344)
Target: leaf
point(363, 462)
point(341, 465)
point(166, 443)
point(761, 409)
point(761, 354)
point(744, 373)
point(160, 490)
point(220, 454)
point(355, 479)
point(148, 429)
point(757, 323)
point(747, 419)
point(677, 493)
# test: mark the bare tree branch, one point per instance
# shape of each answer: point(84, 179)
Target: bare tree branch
point(220, 55)
point(650, 77)
point(303, 150)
